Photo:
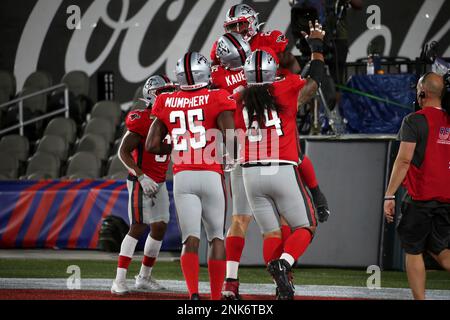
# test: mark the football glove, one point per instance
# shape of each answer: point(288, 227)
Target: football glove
point(149, 186)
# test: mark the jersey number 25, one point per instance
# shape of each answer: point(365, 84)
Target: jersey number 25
point(181, 144)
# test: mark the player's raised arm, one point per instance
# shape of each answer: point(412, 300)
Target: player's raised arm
point(154, 142)
point(316, 71)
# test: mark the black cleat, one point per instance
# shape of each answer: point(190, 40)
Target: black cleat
point(195, 296)
point(280, 270)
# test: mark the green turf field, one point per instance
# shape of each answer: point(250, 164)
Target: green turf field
point(34, 268)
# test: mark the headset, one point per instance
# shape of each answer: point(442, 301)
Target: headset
point(422, 94)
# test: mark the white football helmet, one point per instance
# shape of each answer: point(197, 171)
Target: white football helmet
point(260, 68)
point(240, 14)
point(193, 71)
point(154, 86)
point(232, 51)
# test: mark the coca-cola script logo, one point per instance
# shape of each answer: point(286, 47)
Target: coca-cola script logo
point(129, 31)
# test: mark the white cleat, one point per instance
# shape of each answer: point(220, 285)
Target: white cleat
point(119, 287)
point(149, 284)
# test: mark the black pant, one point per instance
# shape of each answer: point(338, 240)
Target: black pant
point(424, 228)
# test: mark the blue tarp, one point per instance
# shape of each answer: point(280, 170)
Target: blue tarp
point(367, 115)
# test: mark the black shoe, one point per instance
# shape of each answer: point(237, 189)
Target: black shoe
point(280, 270)
point(195, 296)
point(321, 204)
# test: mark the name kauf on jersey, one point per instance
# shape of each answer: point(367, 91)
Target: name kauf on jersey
point(183, 102)
point(235, 78)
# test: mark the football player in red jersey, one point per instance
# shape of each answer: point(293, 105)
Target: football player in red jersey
point(231, 51)
point(274, 189)
point(243, 19)
point(148, 202)
point(193, 117)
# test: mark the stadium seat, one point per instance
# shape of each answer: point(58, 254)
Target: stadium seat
point(2, 177)
point(101, 127)
point(107, 110)
point(116, 146)
point(120, 132)
point(83, 165)
point(116, 169)
point(43, 165)
point(38, 80)
point(77, 105)
point(95, 144)
point(77, 81)
point(55, 145)
point(63, 127)
point(36, 104)
point(16, 145)
point(8, 83)
point(37, 176)
point(9, 166)
point(80, 103)
point(4, 97)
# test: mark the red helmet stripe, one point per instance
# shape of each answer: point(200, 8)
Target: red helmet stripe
point(166, 79)
point(258, 65)
point(232, 11)
point(238, 46)
point(187, 69)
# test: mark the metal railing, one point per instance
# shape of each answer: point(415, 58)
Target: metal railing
point(20, 100)
point(389, 65)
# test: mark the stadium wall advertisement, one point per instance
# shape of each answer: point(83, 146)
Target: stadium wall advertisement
point(135, 39)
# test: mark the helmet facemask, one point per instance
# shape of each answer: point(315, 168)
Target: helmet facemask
point(154, 86)
point(232, 51)
point(242, 19)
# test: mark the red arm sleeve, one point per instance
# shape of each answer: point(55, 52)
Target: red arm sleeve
point(137, 123)
point(278, 41)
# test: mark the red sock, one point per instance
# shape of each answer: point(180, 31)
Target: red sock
point(124, 262)
point(190, 267)
point(285, 232)
point(272, 249)
point(307, 172)
point(148, 261)
point(216, 270)
point(297, 243)
point(234, 247)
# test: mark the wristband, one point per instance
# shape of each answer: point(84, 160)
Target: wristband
point(389, 198)
point(315, 44)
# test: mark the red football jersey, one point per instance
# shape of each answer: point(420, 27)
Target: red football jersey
point(153, 165)
point(277, 139)
point(274, 42)
point(191, 117)
point(232, 81)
